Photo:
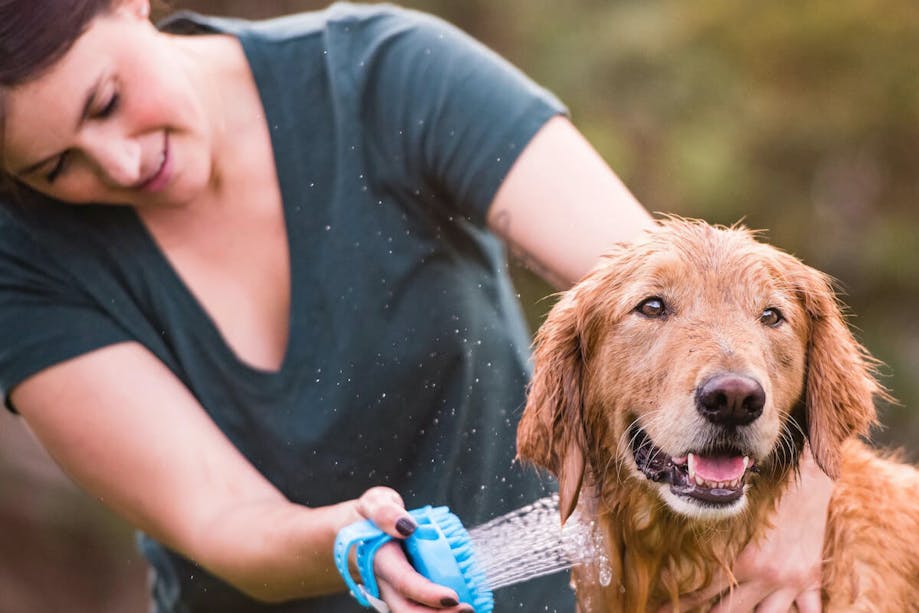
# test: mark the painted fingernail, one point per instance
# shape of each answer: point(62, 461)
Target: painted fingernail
point(467, 610)
point(405, 526)
point(448, 602)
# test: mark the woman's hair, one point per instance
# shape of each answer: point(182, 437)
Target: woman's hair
point(34, 34)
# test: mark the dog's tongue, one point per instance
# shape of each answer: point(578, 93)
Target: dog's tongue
point(718, 468)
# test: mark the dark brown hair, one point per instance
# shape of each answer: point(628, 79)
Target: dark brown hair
point(34, 34)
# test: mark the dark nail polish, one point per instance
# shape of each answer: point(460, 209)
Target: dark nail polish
point(448, 602)
point(405, 526)
point(467, 610)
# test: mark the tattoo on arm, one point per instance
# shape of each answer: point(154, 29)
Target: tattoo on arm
point(502, 225)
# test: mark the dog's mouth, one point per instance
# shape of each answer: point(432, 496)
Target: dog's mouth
point(714, 477)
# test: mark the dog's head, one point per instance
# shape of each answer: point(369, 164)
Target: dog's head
point(687, 360)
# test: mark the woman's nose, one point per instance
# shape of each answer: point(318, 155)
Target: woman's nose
point(117, 158)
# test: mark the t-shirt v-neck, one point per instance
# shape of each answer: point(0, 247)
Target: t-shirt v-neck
point(181, 288)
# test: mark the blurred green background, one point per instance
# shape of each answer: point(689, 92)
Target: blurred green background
point(801, 118)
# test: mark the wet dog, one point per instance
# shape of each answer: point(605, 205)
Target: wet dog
point(675, 388)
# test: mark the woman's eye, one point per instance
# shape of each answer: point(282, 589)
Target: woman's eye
point(109, 107)
point(59, 166)
point(771, 317)
point(652, 307)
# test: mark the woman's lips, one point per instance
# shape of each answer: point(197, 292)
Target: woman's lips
point(160, 178)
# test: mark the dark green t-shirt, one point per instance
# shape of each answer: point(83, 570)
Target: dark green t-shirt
point(407, 357)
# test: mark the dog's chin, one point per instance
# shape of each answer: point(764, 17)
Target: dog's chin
point(701, 511)
point(706, 484)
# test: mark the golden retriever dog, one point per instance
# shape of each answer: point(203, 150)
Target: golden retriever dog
point(674, 389)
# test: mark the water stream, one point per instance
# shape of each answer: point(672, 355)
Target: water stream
point(530, 542)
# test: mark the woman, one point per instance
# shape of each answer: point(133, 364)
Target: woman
point(251, 290)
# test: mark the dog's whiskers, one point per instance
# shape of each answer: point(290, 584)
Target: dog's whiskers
point(786, 455)
point(783, 451)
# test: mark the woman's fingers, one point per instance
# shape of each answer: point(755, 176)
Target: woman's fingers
point(385, 508)
point(749, 597)
point(745, 599)
point(398, 603)
point(720, 583)
point(391, 567)
point(810, 601)
point(778, 602)
point(402, 588)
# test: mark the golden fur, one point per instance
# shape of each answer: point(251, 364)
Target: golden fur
point(603, 368)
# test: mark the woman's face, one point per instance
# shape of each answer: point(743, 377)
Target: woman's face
point(114, 121)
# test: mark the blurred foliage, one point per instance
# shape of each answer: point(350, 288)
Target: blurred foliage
point(801, 118)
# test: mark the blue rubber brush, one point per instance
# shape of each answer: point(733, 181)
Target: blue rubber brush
point(524, 544)
point(439, 548)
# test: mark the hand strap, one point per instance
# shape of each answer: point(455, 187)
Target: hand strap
point(367, 539)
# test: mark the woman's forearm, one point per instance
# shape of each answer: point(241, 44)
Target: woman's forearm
point(275, 551)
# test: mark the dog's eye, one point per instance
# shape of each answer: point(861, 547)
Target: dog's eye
point(652, 307)
point(771, 317)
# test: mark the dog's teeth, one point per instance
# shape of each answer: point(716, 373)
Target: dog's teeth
point(691, 460)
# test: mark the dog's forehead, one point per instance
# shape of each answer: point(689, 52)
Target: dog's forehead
point(706, 262)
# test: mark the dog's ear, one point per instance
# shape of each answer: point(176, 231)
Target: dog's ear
point(840, 385)
point(551, 433)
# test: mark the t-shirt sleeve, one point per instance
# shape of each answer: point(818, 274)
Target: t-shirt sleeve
point(44, 318)
point(447, 110)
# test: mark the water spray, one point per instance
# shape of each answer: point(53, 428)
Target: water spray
point(524, 544)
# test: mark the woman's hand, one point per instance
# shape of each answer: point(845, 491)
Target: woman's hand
point(782, 571)
point(401, 588)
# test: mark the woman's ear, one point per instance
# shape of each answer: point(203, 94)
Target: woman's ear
point(550, 433)
point(135, 8)
point(840, 385)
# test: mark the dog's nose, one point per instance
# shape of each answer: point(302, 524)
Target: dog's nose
point(731, 400)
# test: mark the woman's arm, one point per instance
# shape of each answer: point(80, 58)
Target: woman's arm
point(561, 206)
point(126, 429)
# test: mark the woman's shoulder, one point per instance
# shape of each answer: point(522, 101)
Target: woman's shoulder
point(39, 234)
point(19, 219)
point(22, 252)
point(338, 16)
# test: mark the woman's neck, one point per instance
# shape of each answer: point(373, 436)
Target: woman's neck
point(218, 67)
